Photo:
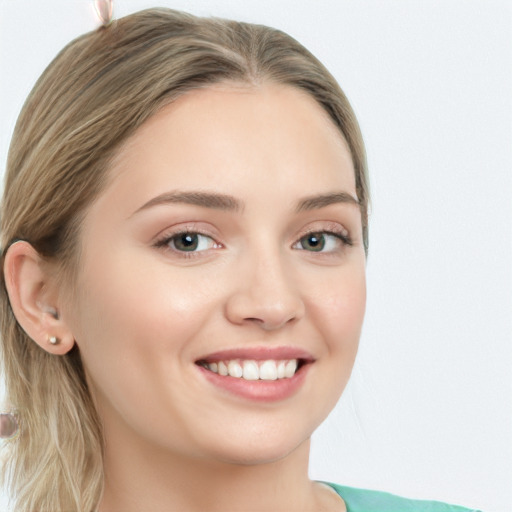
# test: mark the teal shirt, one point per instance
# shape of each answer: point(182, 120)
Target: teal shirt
point(360, 500)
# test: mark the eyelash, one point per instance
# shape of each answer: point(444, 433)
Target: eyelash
point(164, 242)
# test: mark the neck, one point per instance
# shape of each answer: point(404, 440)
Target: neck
point(158, 481)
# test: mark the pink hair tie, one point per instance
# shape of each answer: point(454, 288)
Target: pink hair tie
point(104, 10)
point(9, 426)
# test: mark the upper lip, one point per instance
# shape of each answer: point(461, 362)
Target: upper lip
point(259, 354)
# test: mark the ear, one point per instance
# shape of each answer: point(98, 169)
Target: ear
point(33, 296)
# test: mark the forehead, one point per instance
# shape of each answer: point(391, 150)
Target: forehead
point(232, 138)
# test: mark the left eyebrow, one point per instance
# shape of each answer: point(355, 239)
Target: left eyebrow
point(323, 200)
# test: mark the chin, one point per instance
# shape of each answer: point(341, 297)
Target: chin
point(262, 450)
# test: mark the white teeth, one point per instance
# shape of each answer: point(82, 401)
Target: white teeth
point(222, 369)
point(251, 371)
point(268, 370)
point(234, 369)
point(255, 370)
point(291, 366)
point(281, 369)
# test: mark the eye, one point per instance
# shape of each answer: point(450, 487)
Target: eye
point(188, 242)
point(322, 241)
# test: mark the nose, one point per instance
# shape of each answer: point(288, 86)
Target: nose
point(265, 295)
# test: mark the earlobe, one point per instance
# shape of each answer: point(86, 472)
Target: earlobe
point(32, 294)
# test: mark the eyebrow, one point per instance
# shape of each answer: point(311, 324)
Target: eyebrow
point(203, 199)
point(323, 200)
point(229, 203)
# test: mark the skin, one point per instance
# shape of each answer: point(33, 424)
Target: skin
point(145, 313)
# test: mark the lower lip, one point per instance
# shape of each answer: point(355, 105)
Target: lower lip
point(259, 390)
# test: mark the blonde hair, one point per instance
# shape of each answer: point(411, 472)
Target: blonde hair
point(94, 95)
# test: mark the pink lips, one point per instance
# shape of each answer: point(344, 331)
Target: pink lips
point(259, 354)
point(259, 390)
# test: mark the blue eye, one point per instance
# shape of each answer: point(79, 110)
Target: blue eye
point(188, 242)
point(322, 241)
point(313, 242)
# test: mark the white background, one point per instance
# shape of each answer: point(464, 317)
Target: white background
point(428, 412)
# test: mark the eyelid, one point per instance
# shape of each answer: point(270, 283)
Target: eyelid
point(329, 227)
point(199, 227)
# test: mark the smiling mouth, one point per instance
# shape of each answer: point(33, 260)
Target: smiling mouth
point(261, 374)
point(253, 370)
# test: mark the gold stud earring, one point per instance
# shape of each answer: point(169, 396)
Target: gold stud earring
point(53, 340)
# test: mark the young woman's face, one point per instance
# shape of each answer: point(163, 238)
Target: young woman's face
point(229, 239)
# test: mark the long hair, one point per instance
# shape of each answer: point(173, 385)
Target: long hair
point(91, 98)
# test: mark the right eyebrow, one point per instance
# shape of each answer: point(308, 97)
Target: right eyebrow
point(196, 198)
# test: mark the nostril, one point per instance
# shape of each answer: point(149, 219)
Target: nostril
point(268, 308)
point(271, 323)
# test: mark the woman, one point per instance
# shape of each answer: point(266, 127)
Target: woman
point(184, 228)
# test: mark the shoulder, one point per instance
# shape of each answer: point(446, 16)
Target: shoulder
point(362, 500)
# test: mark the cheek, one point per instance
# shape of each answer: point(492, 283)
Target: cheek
point(133, 320)
point(136, 298)
point(136, 333)
point(339, 307)
point(337, 312)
